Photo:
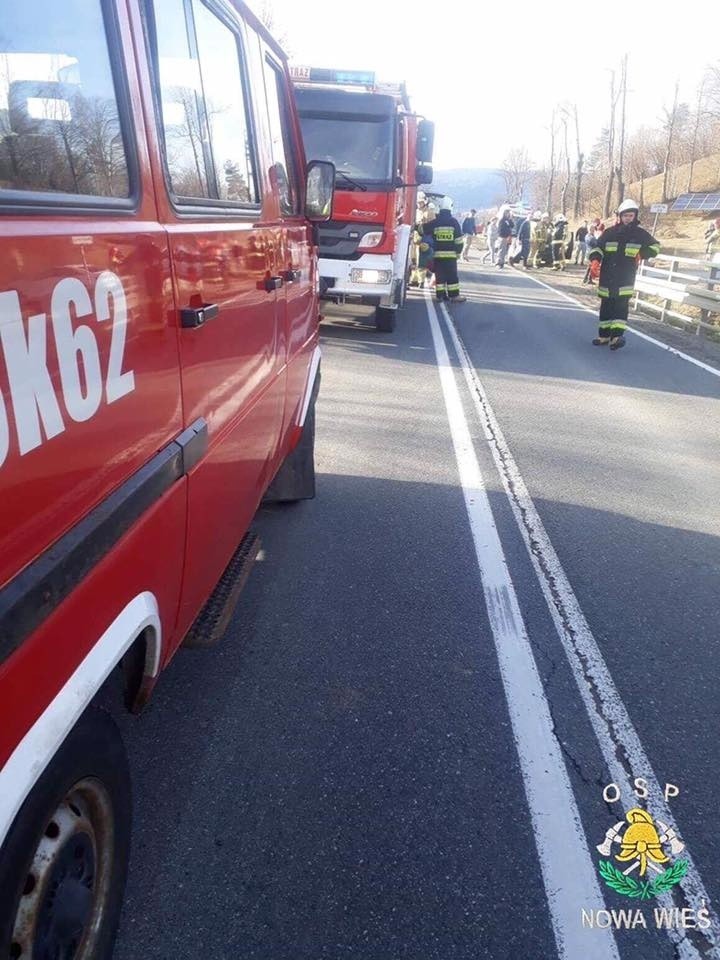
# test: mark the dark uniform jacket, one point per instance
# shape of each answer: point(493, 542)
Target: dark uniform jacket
point(506, 227)
point(618, 250)
point(447, 235)
point(524, 230)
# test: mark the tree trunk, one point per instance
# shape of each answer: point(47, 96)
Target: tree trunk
point(578, 184)
point(668, 145)
point(578, 167)
point(698, 114)
point(608, 194)
point(611, 148)
point(563, 194)
point(621, 156)
point(620, 185)
point(551, 177)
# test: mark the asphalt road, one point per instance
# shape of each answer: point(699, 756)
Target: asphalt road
point(357, 770)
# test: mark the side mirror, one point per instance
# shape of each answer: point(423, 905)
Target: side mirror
point(425, 141)
point(319, 190)
point(423, 174)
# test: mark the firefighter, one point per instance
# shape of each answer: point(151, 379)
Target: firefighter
point(619, 250)
point(447, 244)
point(558, 242)
point(540, 237)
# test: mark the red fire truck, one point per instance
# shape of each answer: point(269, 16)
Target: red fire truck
point(382, 153)
point(159, 364)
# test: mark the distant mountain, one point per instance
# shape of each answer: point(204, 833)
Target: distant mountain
point(470, 187)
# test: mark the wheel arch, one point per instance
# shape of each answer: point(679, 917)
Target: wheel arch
point(136, 628)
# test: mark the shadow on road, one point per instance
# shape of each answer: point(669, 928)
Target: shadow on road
point(337, 777)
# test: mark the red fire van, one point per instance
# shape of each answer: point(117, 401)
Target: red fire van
point(159, 364)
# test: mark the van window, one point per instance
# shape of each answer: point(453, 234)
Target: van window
point(283, 169)
point(224, 101)
point(208, 147)
point(181, 96)
point(59, 120)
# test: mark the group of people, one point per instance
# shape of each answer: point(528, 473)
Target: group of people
point(612, 254)
point(535, 239)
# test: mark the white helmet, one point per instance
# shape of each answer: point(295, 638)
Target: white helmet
point(536, 215)
point(628, 205)
point(420, 195)
point(446, 203)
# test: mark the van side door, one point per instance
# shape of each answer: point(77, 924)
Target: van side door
point(298, 263)
point(89, 374)
point(228, 290)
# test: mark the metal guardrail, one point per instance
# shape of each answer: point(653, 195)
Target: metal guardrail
point(681, 280)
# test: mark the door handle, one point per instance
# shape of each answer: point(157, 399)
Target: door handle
point(272, 283)
point(291, 275)
point(191, 317)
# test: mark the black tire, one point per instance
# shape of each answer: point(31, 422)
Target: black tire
point(402, 294)
point(385, 319)
point(68, 849)
point(295, 480)
point(405, 283)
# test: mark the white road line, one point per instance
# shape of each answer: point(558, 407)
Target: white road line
point(610, 720)
point(569, 877)
point(643, 336)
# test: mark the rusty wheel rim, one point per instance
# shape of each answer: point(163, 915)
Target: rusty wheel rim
point(63, 902)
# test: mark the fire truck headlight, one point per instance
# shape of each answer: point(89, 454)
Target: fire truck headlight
point(372, 239)
point(371, 276)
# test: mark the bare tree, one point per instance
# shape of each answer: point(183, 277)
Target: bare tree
point(712, 100)
point(516, 172)
point(551, 169)
point(619, 167)
point(696, 128)
point(610, 146)
point(578, 164)
point(266, 13)
point(670, 123)
point(568, 176)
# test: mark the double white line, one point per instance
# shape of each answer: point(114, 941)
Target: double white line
point(569, 875)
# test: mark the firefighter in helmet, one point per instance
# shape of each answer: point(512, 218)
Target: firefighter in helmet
point(619, 251)
point(559, 239)
point(540, 237)
point(447, 244)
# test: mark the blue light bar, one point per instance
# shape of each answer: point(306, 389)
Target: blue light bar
point(364, 78)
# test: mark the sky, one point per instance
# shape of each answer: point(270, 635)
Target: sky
point(505, 65)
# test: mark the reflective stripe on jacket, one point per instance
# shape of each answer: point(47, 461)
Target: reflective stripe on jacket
point(618, 250)
point(447, 235)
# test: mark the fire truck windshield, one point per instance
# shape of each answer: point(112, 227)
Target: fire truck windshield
point(360, 148)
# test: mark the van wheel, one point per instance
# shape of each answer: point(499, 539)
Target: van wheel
point(64, 862)
point(295, 480)
point(385, 319)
